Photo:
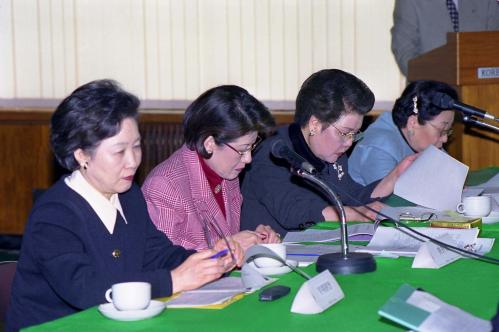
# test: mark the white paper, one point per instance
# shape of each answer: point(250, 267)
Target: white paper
point(402, 242)
point(321, 235)
point(433, 180)
point(310, 253)
point(433, 256)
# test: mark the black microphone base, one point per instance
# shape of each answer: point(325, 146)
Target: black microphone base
point(353, 262)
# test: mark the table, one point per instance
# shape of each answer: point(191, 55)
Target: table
point(469, 284)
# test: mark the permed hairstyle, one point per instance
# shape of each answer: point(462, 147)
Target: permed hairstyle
point(92, 113)
point(426, 110)
point(225, 112)
point(328, 94)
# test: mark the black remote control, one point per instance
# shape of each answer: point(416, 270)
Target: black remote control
point(273, 293)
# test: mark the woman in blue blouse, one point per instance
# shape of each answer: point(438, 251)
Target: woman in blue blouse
point(91, 229)
point(413, 125)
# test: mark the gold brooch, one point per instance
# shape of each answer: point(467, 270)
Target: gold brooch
point(217, 189)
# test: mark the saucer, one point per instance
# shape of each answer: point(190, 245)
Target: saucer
point(492, 218)
point(274, 270)
point(109, 310)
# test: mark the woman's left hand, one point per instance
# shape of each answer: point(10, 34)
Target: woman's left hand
point(267, 234)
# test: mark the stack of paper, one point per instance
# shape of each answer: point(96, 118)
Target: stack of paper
point(322, 235)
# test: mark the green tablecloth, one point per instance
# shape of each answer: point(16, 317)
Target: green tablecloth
point(469, 284)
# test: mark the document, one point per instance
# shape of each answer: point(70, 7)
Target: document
point(323, 235)
point(214, 295)
point(310, 253)
point(434, 180)
point(402, 242)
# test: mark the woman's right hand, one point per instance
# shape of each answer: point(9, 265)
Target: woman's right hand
point(197, 270)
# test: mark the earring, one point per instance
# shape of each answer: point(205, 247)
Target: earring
point(415, 105)
point(85, 165)
point(312, 133)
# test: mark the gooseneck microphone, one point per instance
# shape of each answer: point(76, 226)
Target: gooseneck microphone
point(444, 101)
point(281, 150)
point(343, 262)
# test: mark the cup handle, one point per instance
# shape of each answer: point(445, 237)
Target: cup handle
point(108, 295)
point(460, 208)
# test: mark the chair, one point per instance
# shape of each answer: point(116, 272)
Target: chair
point(7, 271)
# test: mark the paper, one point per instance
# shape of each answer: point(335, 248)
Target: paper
point(400, 241)
point(221, 291)
point(310, 253)
point(434, 180)
point(321, 235)
point(317, 294)
point(433, 256)
point(421, 311)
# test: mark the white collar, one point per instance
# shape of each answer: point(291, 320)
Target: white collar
point(105, 208)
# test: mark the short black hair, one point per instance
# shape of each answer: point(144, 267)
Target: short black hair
point(90, 114)
point(424, 90)
point(225, 112)
point(329, 93)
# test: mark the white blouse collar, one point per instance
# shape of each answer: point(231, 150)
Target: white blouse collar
point(105, 208)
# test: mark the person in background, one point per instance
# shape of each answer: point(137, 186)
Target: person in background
point(194, 195)
point(414, 124)
point(330, 107)
point(91, 229)
point(422, 25)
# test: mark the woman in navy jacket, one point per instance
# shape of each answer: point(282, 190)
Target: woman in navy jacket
point(91, 229)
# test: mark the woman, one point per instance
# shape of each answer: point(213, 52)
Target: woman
point(91, 229)
point(194, 196)
point(330, 108)
point(413, 125)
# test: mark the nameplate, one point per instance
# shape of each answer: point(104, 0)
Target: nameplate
point(488, 72)
point(317, 294)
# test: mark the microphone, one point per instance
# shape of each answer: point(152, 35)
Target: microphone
point(280, 150)
point(444, 101)
point(344, 262)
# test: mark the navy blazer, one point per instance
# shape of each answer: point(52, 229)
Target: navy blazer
point(68, 258)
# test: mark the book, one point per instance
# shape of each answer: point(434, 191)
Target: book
point(466, 223)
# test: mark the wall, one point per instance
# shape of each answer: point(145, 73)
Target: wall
point(175, 49)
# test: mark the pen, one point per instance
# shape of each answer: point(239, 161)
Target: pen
point(220, 253)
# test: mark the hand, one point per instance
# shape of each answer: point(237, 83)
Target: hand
point(385, 187)
point(236, 250)
point(197, 270)
point(267, 234)
point(247, 239)
point(361, 213)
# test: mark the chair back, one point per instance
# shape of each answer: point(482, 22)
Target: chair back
point(7, 271)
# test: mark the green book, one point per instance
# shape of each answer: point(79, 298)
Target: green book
point(398, 310)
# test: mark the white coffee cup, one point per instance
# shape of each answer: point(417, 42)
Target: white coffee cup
point(475, 206)
point(130, 295)
point(278, 249)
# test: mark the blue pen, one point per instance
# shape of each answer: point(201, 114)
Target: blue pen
point(220, 253)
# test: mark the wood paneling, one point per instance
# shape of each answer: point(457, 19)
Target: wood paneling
point(28, 163)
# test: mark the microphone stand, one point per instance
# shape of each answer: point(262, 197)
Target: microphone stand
point(472, 120)
point(343, 262)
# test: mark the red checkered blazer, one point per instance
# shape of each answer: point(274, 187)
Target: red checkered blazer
point(179, 200)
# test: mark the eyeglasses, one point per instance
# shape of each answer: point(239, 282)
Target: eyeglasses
point(251, 147)
point(442, 132)
point(354, 136)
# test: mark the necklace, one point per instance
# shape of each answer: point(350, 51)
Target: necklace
point(339, 170)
